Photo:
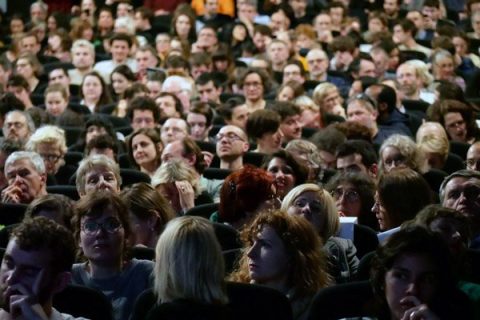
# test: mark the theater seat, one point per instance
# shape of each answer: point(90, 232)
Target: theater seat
point(11, 213)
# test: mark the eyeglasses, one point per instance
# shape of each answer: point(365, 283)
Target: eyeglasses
point(16, 125)
point(110, 225)
point(50, 157)
point(252, 84)
point(348, 195)
point(230, 136)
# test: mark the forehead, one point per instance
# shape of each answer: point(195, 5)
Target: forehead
point(459, 182)
point(39, 258)
point(405, 68)
point(57, 73)
point(357, 105)
point(474, 151)
point(350, 159)
point(174, 148)
point(99, 170)
point(143, 113)
point(231, 129)
point(21, 163)
point(175, 123)
point(15, 116)
point(196, 117)
point(292, 67)
point(120, 43)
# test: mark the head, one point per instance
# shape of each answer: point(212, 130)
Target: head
point(473, 157)
point(399, 151)
point(186, 150)
point(50, 143)
point(94, 90)
point(56, 207)
point(235, 112)
point(95, 126)
point(443, 65)
point(56, 99)
point(254, 84)
point(290, 124)
point(121, 78)
point(356, 156)
point(263, 127)
point(26, 171)
point(102, 144)
point(97, 173)
point(120, 45)
point(317, 61)
point(83, 54)
point(143, 113)
point(199, 120)
point(18, 126)
point(174, 129)
point(362, 111)
point(38, 258)
point(190, 263)
point(145, 148)
point(170, 105)
point(316, 205)
point(461, 191)
point(327, 96)
point(401, 193)
point(232, 143)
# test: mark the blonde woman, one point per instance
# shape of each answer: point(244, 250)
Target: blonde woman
point(400, 151)
point(327, 96)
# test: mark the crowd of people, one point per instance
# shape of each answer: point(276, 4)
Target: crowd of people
point(163, 153)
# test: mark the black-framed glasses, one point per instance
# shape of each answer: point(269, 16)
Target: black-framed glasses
point(51, 157)
point(110, 225)
point(348, 195)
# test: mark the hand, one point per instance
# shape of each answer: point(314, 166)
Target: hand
point(186, 195)
point(419, 311)
point(12, 194)
point(24, 302)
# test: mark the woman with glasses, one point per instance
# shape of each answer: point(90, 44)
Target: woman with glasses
point(254, 85)
point(145, 148)
point(102, 227)
point(317, 206)
point(49, 142)
point(399, 151)
point(353, 193)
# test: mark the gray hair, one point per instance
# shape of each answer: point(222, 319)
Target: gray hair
point(31, 156)
point(28, 119)
point(467, 174)
point(176, 170)
point(95, 161)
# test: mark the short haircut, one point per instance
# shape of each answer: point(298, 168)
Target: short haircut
point(226, 109)
point(189, 263)
point(82, 43)
point(16, 80)
point(407, 26)
point(343, 43)
point(432, 3)
point(363, 148)
point(34, 158)
point(205, 78)
point(205, 110)
point(57, 87)
point(261, 122)
point(42, 233)
point(178, 102)
point(146, 13)
point(143, 103)
point(285, 109)
point(103, 141)
point(199, 59)
point(61, 205)
point(121, 37)
point(467, 174)
point(92, 162)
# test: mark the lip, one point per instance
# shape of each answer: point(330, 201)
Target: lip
point(252, 266)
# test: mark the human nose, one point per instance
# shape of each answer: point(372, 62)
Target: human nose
point(251, 253)
point(12, 276)
point(375, 208)
point(412, 289)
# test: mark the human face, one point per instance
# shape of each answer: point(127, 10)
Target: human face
point(92, 88)
point(173, 130)
point(286, 94)
point(30, 44)
point(431, 15)
point(51, 155)
point(119, 83)
point(59, 76)
point(105, 20)
point(247, 11)
point(444, 69)
point(392, 158)
point(162, 44)
point(15, 127)
point(182, 26)
point(145, 152)
point(399, 35)
point(367, 69)
point(154, 88)
point(119, 50)
point(208, 92)
point(94, 131)
point(291, 128)
point(357, 112)
point(279, 22)
point(381, 214)
point(455, 126)
point(375, 25)
point(23, 175)
point(476, 24)
point(145, 59)
point(322, 23)
point(167, 106)
point(55, 103)
point(207, 39)
point(390, 7)
point(463, 195)
point(271, 142)
point(211, 6)
point(253, 87)
point(347, 200)
point(417, 18)
point(453, 231)
point(343, 59)
point(239, 33)
point(473, 157)
point(198, 126)
point(284, 177)
point(143, 119)
point(24, 68)
point(298, 6)
point(173, 150)
point(240, 116)
point(337, 15)
point(27, 269)
point(351, 163)
point(408, 81)
point(317, 62)
point(101, 179)
point(412, 276)
point(16, 26)
point(332, 99)
point(268, 261)
point(102, 246)
point(82, 58)
point(292, 72)
point(231, 143)
point(278, 53)
point(460, 46)
point(103, 151)
point(309, 206)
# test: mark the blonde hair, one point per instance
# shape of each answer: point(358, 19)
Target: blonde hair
point(82, 43)
point(432, 137)
point(50, 135)
point(328, 207)
point(421, 70)
point(306, 103)
point(176, 170)
point(321, 91)
point(95, 161)
point(189, 263)
point(414, 157)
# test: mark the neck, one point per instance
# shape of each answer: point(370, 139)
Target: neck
point(254, 105)
point(235, 164)
point(149, 168)
point(278, 66)
point(410, 43)
point(32, 83)
point(84, 71)
point(264, 149)
point(320, 77)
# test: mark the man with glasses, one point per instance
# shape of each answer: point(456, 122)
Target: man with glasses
point(26, 177)
point(18, 126)
point(461, 191)
point(232, 144)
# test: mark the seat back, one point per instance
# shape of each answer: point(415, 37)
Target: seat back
point(67, 190)
point(81, 301)
point(364, 239)
point(11, 213)
point(203, 210)
point(216, 173)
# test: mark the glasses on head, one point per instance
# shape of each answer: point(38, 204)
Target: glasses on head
point(110, 225)
point(348, 195)
point(315, 206)
point(230, 136)
point(367, 98)
point(50, 157)
point(472, 164)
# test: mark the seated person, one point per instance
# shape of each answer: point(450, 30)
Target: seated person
point(97, 173)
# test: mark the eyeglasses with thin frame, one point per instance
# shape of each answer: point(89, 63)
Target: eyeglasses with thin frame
point(230, 136)
point(110, 225)
point(348, 195)
point(51, 157)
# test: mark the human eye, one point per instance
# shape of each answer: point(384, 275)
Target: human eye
point(399, 274)
point(92, 180)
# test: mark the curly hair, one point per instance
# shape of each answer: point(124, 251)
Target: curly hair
point(414, 157)
point(308, 263)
